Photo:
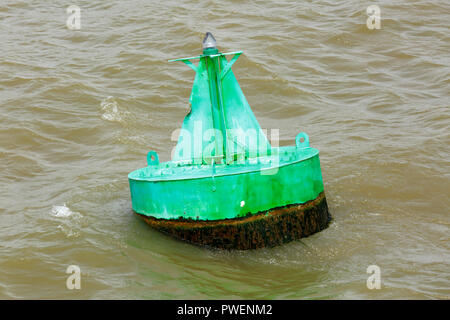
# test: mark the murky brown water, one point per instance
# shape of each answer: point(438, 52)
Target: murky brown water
point(80, 110)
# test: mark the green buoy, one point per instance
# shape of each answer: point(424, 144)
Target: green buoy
point(226, 186)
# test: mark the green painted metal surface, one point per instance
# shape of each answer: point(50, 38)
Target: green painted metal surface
point(227, 191)
point(221, 123)
point(223, 166)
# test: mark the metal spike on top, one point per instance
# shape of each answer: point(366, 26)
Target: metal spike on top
point(209, 42)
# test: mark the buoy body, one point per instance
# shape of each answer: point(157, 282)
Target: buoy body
point(226, 186)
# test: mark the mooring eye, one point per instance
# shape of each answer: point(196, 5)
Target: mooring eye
point(152, 158)
point(302, 140)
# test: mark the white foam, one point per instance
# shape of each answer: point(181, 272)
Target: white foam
point(110, 110)
point(63, 211)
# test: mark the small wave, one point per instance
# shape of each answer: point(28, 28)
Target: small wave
point(63, 211)
point(110, 109)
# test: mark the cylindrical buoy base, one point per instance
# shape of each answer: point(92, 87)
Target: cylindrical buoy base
point(263, 229)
